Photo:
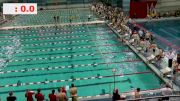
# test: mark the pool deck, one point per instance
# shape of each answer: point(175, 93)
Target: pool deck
point(51, 25)
point(154, 20)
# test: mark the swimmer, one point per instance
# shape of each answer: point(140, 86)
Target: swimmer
point(46, 81)
point(94, 64)
point(72, 56)
point(48, 68)
point(70, 42)
point(98, 75)
point(25, 69)
point(19, 83)
point(129, 80)
point(72, 66)
point(53, 43)
point(72, 77)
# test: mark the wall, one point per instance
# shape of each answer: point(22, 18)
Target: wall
point(139, 9)
point(167, 5)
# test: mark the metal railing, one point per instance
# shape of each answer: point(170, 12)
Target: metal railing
point(157, 98)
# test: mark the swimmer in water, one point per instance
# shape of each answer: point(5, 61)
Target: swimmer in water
point(19, 83)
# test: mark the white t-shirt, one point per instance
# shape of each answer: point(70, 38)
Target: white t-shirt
point(140, 33)
point(170, 55)
point(166, 91)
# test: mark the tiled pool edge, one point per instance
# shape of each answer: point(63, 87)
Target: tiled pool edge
point(152, 20)
point(52, 25)
point(152, 67)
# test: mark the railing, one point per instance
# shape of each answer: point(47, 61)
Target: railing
point(157, 98)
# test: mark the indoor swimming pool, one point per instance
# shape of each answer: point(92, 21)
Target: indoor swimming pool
point(50, 57)
point(167, 33)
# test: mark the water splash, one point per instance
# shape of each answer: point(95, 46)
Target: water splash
point(10, 50)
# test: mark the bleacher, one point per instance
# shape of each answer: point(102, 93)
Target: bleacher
point(58, 2)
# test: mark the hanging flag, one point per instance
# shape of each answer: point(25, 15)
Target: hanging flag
point(148, 11)
point(152, 8)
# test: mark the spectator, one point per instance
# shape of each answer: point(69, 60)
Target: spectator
point(148, 35)
point(116, 95)
point(52, 96)
point(11, 97)
point(166, 91)
point(170, 55)
point(160, 55)
point(29, 95)
point(136, 38)
point(39, 96)
point(73, 92)
point(178, 58)
point(141, 33)
point(142, 44)
point(61, 96)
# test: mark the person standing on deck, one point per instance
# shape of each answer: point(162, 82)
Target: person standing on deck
point(29, 95)
point(52, 96)
point(165, 92)
point(39, 96)
point(116, 95)
point(61, 96)
point(137, 94)
point(11, 97)
point(170, 55)
point(73, 92)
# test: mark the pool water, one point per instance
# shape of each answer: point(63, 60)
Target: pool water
point(85, 55)
point(167, 33)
